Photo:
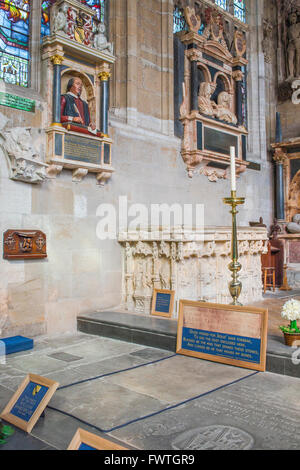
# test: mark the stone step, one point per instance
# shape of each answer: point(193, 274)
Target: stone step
point(161, 333)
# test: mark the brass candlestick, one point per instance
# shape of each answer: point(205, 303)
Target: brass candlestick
point(235, 285)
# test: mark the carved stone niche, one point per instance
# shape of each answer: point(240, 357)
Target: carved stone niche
point(192, 263)
point(77, 52)
point(212, 107)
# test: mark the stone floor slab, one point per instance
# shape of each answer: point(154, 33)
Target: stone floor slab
point(259, 413)
point(178, 378)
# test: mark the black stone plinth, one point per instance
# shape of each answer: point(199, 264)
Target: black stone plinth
point(141, 329)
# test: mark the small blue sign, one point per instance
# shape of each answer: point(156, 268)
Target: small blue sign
point(29, 400)
point(84, 446)
point(162, 303)
point(240, 348)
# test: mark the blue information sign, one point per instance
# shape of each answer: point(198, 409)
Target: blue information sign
point(162, 303)
point(29, 400)
point(84, 446)
point(230, 346)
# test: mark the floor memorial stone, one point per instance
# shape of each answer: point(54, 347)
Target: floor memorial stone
point(178, 403)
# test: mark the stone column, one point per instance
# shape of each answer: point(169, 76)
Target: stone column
point(194, 83)
point(104, 76)
point(280, 158)
point(57, 61)
point(238, 77)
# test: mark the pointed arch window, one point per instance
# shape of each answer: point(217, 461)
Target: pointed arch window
point(14, 42)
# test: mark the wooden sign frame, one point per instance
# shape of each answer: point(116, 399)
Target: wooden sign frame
point(82, 437)
point(171, 305)
point(37, 381)
point(215, 338)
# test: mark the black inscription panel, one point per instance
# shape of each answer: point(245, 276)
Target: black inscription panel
point(82, 149)
point(217, 141)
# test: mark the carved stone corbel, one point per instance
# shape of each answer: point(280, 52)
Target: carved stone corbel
point(79, 174)
point(54, 170)
point(102, 177)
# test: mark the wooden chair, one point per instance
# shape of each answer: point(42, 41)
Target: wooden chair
point(268, 278)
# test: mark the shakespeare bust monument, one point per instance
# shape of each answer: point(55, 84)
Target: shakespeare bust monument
point(73, 108)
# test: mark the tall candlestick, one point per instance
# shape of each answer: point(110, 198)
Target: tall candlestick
point(232, 168)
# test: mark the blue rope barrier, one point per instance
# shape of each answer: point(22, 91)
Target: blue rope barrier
point(155, 413)
point(116, 372)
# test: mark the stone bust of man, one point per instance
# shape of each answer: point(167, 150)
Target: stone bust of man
point(72, 107)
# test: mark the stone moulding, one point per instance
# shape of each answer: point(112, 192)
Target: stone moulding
point(194, 263)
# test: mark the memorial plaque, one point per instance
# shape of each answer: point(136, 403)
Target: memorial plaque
point(14, 101)
point(82, 149)
point(217, 141)
point(223, 333)
point(84, 440)
point(29, 401)
point(163, 302)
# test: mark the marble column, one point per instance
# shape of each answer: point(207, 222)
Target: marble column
point(238, 77)
point(57, 61)
point(104, 76)
point(194, 84)
point(279, 158)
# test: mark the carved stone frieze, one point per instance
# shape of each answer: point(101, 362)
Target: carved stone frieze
point(195, 269)
point(23, 155)
point(76, 22)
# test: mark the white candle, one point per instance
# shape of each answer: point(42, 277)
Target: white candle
point(232, 168)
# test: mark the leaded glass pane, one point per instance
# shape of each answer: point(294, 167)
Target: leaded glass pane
point(14, 41)
point(221, 3)
point(98, 6)
point(45, 18)
point(239, 10)
point(179, 23)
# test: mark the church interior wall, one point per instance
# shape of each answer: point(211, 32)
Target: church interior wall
point(81, 272)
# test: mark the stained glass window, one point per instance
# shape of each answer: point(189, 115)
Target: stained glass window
point(221, 3)
point(45, 18)
point(14, 41)
point(98, 6)
point(179, 23)
point(239, 10)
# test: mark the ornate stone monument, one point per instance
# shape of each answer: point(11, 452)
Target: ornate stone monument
point(77, 61)
point(212, 108)
point(192, 263)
